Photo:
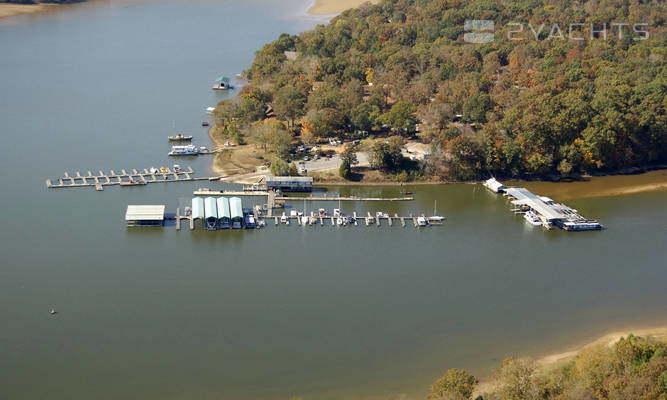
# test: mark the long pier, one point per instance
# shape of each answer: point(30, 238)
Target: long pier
point(272, 195)
point(124, 178)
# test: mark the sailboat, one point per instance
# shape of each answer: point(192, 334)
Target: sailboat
point(436, 217)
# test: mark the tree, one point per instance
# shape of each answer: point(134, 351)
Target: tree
point(455, 382)
point(474, 108)
point(279, 168)
point(361, 116)
point(327, 122)
point(386, 156)
point(249, 109)
point(401, 117)
point(517, 380)
point(349, 155)
point(345, 170)
point(289, 103)
point(292, 170)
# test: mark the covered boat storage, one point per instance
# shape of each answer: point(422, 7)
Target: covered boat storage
point(224, 214)
point(144, 215)
point(211, 213)
point(551, 212)
point(236, 210)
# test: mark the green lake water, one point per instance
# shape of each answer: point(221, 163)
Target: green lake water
point(318, 312)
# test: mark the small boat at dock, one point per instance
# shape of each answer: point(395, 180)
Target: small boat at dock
point(436, 217)
point(422, 221)
point(132, 182)
point(532, 218)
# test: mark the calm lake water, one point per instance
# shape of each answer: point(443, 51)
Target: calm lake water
point(322, 313)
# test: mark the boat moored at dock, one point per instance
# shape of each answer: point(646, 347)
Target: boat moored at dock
point(185, 150)
point(541, 210)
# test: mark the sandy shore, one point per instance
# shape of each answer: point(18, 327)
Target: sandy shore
point(599, 186)
point(551, 360)
point(330, 7)
point(10, 10)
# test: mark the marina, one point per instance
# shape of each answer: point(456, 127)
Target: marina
point(542, 210)
point(215, 213)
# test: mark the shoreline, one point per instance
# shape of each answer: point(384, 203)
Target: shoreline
point(8, 10)
point(488, 383)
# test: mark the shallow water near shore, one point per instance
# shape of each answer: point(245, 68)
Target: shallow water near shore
point(317, 312)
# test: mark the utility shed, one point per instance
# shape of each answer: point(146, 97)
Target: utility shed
point(144, 215)
point(289, 183)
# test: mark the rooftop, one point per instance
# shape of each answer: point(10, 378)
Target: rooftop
point(144, 213)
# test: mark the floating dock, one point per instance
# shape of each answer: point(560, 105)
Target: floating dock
point(208, 192)
point(545, 209)
point(124, 178)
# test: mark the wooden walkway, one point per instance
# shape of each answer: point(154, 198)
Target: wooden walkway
point(273, 196)
point(123, 178)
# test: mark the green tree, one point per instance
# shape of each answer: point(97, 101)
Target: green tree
point(345, 170)
point(289, 103)
point(455, 382)
point(401, 118)
point(279, 168)
point(475, 107)
point(249, 110)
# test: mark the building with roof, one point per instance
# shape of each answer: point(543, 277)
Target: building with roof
point(495, 186)
point(224, 213)
point(211, 213)
point(236, 212)
point(144, 215)
point(289, 183)
point(197, 208)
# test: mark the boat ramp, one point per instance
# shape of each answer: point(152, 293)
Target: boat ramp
point(542, 210)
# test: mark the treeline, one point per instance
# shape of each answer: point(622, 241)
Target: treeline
point(537, 106)
point(635, 368)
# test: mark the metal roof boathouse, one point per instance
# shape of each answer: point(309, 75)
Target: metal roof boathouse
point(236, 212)
point(224, 214)
point(144, 215)
point(197, 208)
point(211, 213)
point(548, 211)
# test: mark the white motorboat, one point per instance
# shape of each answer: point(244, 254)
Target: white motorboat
point(186, 150)
point(532, 218)
point(422, 221)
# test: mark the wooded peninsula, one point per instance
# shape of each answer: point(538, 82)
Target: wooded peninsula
point(561, 89)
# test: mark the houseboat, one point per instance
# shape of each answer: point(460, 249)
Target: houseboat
point(180, 138)
point(222, 83)
point(186, 150)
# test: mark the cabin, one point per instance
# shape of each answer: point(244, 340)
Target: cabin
point(144, 215)
point(236, 212)
point(289, 183)
point(224, 214)
point(211, 213)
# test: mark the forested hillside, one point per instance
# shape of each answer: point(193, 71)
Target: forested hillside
point(563, 100)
